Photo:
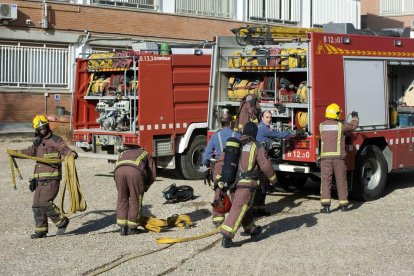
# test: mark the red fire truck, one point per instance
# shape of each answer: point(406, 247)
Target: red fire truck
point(296, 78)
point(143, 98)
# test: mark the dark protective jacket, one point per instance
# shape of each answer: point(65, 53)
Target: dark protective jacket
point(249, 111)
point(51, 147)
point(142, 161)
point(333, 137)
point(253, 158)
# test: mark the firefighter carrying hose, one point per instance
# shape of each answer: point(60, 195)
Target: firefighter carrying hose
point(46, 178)
point(252, 158)
point(215, 146)
point(135, 171)
point(333, 154)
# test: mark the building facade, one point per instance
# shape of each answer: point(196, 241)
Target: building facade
point(40, 40)
point(380, 14)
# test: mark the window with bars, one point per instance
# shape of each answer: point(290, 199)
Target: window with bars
point(213, 8)
point(140, 4)
point(37, 66)
point(283, 11)
point(396, 7)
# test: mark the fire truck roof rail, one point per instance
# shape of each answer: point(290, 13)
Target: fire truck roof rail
point(266, 34)
point(348, 28)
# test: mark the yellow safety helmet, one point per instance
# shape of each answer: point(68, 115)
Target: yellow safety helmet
point(39, 121)
point(333, 111)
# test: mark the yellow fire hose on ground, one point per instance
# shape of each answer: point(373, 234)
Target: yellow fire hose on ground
point(71, 180)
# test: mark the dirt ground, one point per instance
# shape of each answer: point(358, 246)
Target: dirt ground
point(374, 238)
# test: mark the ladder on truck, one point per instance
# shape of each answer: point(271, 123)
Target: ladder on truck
point(266, 34)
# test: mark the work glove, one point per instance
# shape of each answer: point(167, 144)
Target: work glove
point(208, 176)
point(354, 114)
point(75, 154)
point(300, 133)
point(32, 185)
point(223, 186)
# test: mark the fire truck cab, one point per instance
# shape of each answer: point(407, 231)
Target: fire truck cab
point(297, 77)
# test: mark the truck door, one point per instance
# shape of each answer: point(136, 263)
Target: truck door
point(365, 92)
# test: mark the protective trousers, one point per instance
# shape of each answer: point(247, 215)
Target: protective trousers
point(43, 206)
point(217, 217)
point(260, 195)
point(329, 168)
point(240, 212)
point(130, 185)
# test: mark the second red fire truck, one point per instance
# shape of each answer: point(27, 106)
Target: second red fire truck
point(296, 78)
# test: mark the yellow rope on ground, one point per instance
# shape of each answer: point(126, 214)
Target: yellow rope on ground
point(71, 180)
point(177, 240)
point(157, 225)
point(124, 259)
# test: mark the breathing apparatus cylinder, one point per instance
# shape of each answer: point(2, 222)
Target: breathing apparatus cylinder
point(231, 162)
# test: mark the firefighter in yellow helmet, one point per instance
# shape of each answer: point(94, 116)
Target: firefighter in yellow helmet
point(46, 177)
point(333, 154)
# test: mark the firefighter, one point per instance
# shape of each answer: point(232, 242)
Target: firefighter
point(135, 171)
point(264, 134)
point(215, 146)
point(249, 111)
point(46, 178)
point(252, 159)
point(333, 154)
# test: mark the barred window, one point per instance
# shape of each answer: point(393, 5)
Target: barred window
point(34, 66)
point(282, 11)
point(213, 8)
point(140, 4)
point(396, 7)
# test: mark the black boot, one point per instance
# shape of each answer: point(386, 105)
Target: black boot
point(344, 208)
point(133, 231)
point(62, 227)
point(260, 213)
point(217, 224)
point(254, 235)
point(227, 242)
point(326, 209)
point(123, 231)
point(38, 235)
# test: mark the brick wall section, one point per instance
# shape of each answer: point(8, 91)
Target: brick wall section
point(103, 21)
point(22, 107)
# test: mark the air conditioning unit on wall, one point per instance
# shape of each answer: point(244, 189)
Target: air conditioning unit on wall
point(8, 11)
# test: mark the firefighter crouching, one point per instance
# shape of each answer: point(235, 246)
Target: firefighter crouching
point(46, 178)
point(135, 171)
point(333, 154)
point(252, 158)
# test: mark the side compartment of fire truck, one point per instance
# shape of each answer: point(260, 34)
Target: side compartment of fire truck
point(278, 75)
point(155, 101)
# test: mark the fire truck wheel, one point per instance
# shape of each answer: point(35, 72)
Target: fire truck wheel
point(190, 161)
point(370, 174)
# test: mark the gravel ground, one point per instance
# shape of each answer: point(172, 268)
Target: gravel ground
point(373, 238)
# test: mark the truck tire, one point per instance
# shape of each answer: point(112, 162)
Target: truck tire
point(370, 175)
point(190, 161)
